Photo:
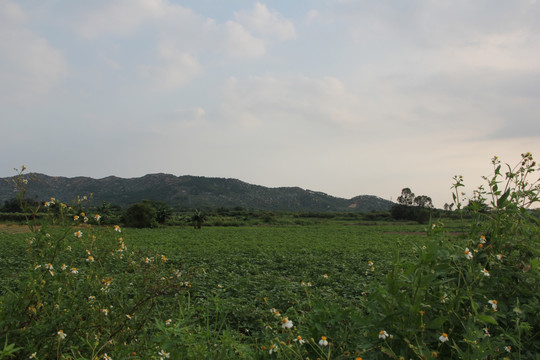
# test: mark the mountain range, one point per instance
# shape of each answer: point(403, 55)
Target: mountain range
point(189, 192)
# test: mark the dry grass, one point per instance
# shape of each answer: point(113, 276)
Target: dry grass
point(14, 229)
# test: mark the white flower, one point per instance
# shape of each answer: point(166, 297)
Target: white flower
point(300, 340)
point(162, 354)
point(106, 357)
point(286, 323)
point(323, 341)
point(168, 322)
point(273, 348)
point(61, 334)
point(499, 257)
point(443, 338)
point(78, 233)
point(97, 217)
point(74, 270)
point(468, 254)
point(383, 334)
point(486, 332)
point(493, 304)
point(485, 272)
point(508, 348)
point(325, 276)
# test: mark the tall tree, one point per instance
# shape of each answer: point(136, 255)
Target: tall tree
point(423, 201)
point(406, 197)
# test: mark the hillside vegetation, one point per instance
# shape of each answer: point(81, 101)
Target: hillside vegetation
point(187, 192)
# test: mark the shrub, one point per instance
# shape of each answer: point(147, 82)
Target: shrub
point(140, 215)
point(85, 294)
point(471, 297)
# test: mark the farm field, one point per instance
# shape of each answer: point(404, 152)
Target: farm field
point(331, 290)
point(235, 275)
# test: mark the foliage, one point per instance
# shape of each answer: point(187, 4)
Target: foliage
point(411, 207)
point(406, 198)
point(468, 290)
point(472, 297)
point(198, 218)
point(188, 192)
point(140, 215)
point(414, 213)
point(83, 293)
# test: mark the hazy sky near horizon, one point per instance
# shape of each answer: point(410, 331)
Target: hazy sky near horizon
point(344, 97)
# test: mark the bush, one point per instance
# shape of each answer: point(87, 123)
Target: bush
point(414, 213)
point(85, 295)
point(471, 297)
point(140, 215)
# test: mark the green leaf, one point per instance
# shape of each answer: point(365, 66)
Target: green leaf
point(437, 323)
point(502, 200)
point(487, 319)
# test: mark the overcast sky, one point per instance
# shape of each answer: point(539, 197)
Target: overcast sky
point(344, 97)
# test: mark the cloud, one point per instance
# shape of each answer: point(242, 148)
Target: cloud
point(123, 17)
point(312, 16)
point(175, 122)
point(268, 100)
point(31, 66)
point(240, 43)
point(176, 68)
point(262, 21)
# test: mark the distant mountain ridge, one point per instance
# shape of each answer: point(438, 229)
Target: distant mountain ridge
point(188, 192)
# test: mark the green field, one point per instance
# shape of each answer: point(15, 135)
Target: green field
point(328, 290)
point(252, 263)
point(237, 274)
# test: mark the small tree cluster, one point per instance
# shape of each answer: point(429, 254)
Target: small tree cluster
point(412, 207)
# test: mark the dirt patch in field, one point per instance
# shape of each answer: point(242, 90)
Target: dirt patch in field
point(406, 232)
point(14, 228)
point(452, 233)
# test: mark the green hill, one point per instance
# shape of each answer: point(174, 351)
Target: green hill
point(185, 192)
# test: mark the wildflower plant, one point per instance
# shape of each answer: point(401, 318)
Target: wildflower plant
point(449, 290)
point(84, 293)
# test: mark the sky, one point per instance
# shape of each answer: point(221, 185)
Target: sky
point(343, 97)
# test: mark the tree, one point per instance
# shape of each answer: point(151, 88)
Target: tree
point(197, 219)
point(406, 197)
point(423, 201)
point(163, 211)
point(12, 206)
point(140, 215)
point(411, 207)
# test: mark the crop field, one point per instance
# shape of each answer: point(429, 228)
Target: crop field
point(258, 268)
point(319, 291)
point(234, 276)
point(255, 266)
